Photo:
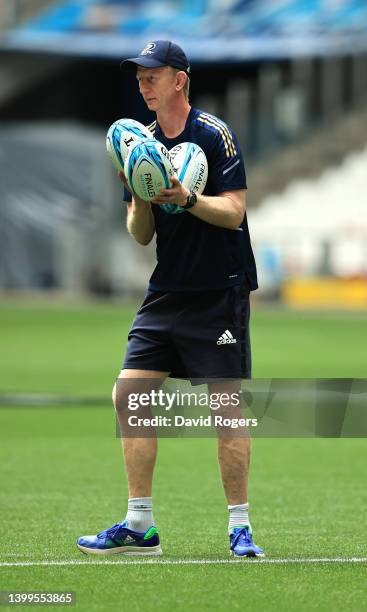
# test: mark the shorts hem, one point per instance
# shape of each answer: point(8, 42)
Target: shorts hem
point(179, 376)
point(143, 366)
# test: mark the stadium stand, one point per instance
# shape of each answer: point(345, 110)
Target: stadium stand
point(316, 228)
point(324, 146)
point(234, 30)
point(289, 76)
point(15, 12)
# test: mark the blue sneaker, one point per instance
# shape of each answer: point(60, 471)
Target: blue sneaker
point(120, 539)
point(242, 544)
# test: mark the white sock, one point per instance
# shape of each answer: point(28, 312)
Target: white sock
point(238, 516)
point(139, 513)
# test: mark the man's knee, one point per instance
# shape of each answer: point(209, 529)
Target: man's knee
point(131, 384)
point(121, 391)
point(120, 395)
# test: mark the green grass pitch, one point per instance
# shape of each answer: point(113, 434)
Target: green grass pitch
point(62, 475)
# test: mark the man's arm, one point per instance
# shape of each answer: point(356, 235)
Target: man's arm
point(140, 219)
point(226, 210)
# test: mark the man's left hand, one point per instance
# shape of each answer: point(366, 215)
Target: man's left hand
point(177, 194)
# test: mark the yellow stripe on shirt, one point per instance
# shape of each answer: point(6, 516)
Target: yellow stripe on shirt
point(225, 133)
point(231, 144)
point(151, 127)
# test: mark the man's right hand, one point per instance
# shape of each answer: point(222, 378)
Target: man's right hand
point(135, 197)
point(123, 180)
point(140, 219)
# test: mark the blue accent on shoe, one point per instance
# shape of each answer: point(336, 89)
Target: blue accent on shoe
point(242, 544)
point(119, 538)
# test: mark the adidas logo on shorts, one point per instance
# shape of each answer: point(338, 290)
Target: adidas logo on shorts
point(226, 338)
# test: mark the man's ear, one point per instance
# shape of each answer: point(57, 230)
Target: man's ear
point(181, 78)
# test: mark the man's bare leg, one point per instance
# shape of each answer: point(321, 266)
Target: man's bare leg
point(139, 453)
point(233, 451)
point(137, 534)
point(234, 462)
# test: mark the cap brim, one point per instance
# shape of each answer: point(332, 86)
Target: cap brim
point(145, 62)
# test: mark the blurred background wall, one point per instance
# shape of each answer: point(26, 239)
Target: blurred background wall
point(289, 76)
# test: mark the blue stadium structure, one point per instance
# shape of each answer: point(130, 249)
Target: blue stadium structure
point(209, 30)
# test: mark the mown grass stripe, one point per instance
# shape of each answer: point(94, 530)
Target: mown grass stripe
point(51, 400)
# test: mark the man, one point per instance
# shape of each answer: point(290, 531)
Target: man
point(198, 294)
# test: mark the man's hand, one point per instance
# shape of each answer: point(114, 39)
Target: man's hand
point(123, 180)
point(177, 194)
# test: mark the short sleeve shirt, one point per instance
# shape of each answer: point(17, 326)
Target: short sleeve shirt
point(193, 255)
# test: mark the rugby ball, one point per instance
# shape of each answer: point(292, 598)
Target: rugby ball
point(191, 168)
point(148, 168)
point(120, 136)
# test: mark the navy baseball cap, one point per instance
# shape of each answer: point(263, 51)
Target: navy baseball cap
point(157, 54)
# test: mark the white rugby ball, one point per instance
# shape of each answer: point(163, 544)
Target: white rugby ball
point(191, 168)
point(148, 168)
point(120, 136)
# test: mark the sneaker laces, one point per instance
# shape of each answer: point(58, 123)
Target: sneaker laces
point(242, 533)
point(110, 532)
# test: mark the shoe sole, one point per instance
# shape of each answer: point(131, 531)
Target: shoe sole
point(132, 551)
point(248, 556)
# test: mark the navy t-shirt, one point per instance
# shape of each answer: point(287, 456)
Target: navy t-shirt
point(193, 255)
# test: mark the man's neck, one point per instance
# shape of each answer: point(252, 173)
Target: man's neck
point(172, 122)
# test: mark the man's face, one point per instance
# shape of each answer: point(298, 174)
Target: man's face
point(157, 86)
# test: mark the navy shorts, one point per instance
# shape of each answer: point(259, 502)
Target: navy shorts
point(192, 335)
